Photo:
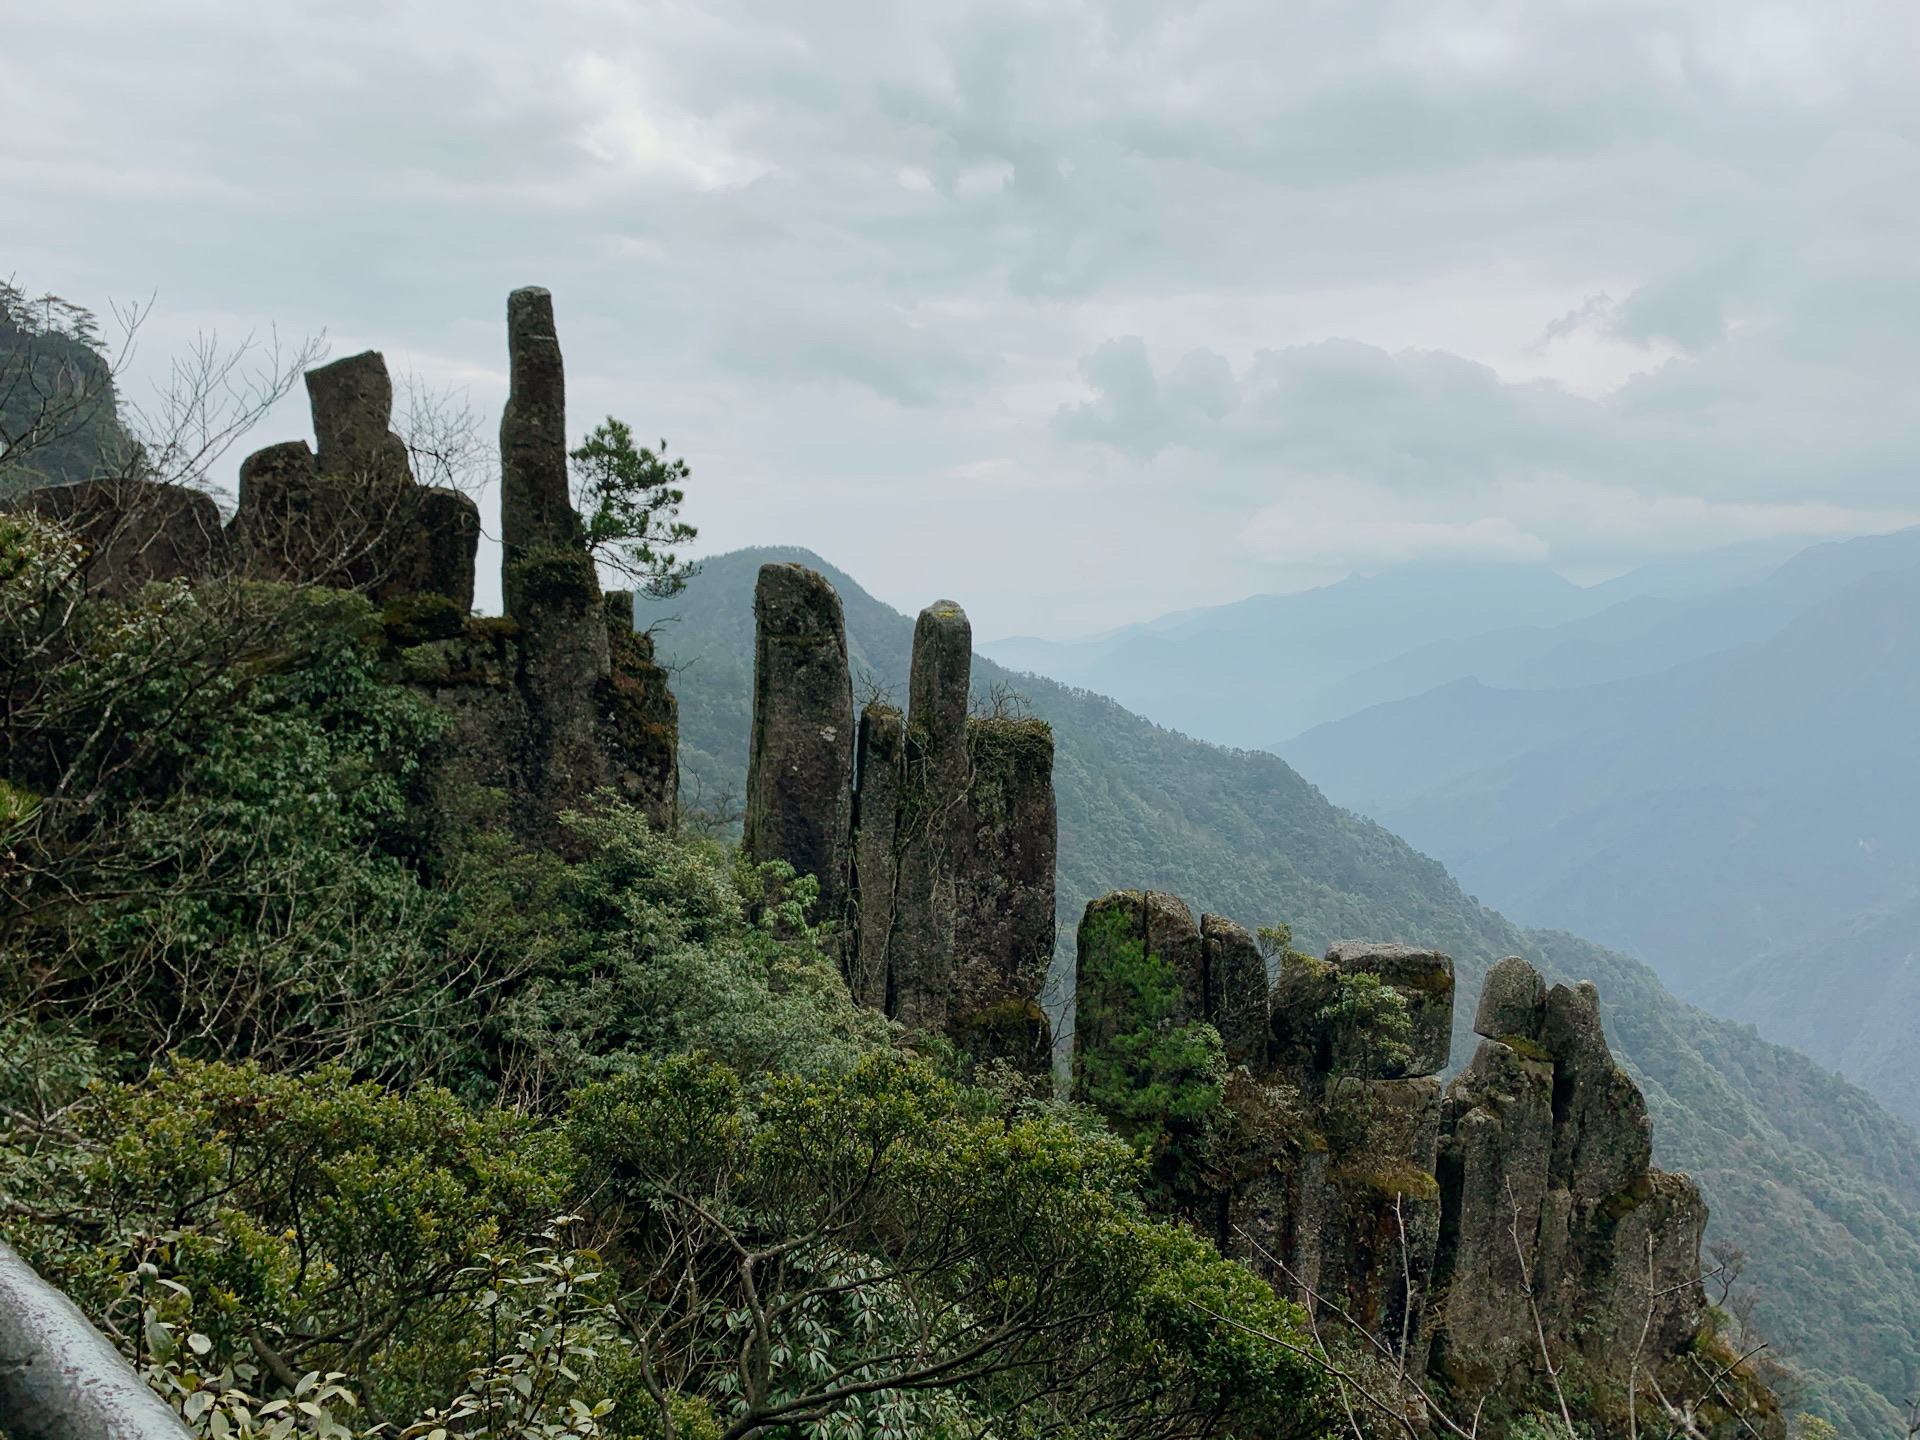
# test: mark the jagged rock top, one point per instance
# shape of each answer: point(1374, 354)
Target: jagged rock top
point(1513, 1002)
point(1424, 978)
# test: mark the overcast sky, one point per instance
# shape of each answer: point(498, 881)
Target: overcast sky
point(1076, 313)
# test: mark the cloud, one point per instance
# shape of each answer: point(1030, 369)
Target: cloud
point(1469, 280)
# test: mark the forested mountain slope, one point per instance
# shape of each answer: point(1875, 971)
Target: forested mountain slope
point(1805, 1172)
point(1228, 670)
point(58, 419)
point(1638, 633)
point(1726, 818)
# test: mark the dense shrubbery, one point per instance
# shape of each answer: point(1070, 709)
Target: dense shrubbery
point(345, 1114)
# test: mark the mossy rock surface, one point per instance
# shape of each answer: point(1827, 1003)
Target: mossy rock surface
point(417, 619)
point(553, 579)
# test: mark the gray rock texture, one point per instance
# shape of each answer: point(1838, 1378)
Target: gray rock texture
point(933, 833)
point(800, 760)
point(1236, 989)
point(1424, 979)
point(1454, 1227)
point(1513, 1002)
point(352, 402)
point(550, 705)
point(135, 531)
point(933, 818)
point(1003, 895)
point(881, 754)
point(351, 515)
point(640, 717)
point(536, 512)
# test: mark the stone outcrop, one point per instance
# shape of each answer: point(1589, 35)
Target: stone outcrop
point(136, 531)
point(1453, 1226)
point(932, 832)
point(551, 704)
point(536, 512)
point(349, 514)
point(560, 699)
point(800, 772)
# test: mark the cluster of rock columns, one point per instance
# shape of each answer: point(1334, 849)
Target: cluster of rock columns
point(931, 833)
point(1440, 1220)
point(553, 705)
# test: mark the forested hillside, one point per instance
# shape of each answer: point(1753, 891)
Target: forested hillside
point(1806, 1173)
point(1725, 818)
point(58, 416)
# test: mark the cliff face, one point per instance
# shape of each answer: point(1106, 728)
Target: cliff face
point(931, 832)
point(553, 702)
point(1494, 1238)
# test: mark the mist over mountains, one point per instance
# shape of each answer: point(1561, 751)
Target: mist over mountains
point(1267, 667)
point(1705, 763)
point(1742, 816)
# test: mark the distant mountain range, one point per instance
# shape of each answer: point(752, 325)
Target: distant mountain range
point(1818, 1184)
point(1268, 667)
point(1742, 809)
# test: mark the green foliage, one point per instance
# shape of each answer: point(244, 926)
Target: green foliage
point(218, 854)
point(58, 422)
point(875, 1251)
point(327, 1225)
point(1367, 1023)
point(220, 877)
point(1159, 1079)
point(653, 945)
point(883, 1247)
point(630, 499)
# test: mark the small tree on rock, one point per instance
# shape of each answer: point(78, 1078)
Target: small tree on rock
point(629, 499)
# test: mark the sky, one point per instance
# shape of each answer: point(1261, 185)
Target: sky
point(1074, 313)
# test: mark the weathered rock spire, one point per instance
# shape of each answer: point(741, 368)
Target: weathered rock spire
point(932, 828)
point(1461, 1230)
point(800, 757)
point(352, 402)
point(535, 510)
point(932, 833)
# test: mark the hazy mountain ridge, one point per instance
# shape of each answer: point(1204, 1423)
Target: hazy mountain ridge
point(1806, 1172)
point(1640, 635)
point(1749, 821)
point(1227, 671)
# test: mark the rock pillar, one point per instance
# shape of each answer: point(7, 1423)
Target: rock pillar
point(800, 763)
point(352, 403)
point(536, 513)
point(351, 515)
point(551, 589)
point(882, 761)
point(932, 817)
point(1552, 1209)
point(1004, 895)
point(1236, 990)
point(642, 718)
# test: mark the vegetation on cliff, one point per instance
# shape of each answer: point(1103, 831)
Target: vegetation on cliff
point(1803, 1172)
point(326, 1097)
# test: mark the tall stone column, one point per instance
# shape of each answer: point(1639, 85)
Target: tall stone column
point(536, 512)
point(1236, 990)
point(932, 816)
point(1498, 1120)
point(551, 588)
point(800, 764)
point(882, 759)
point(351, 515)
point(1105, 998)
point(1004, 895)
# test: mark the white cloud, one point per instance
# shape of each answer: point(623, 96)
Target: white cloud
point(1213, 278)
